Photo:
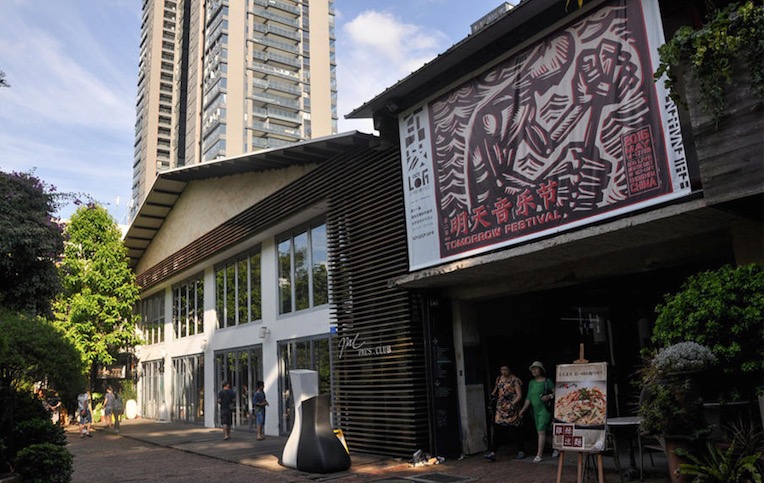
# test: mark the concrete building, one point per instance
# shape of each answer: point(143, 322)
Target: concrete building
point(218, 79)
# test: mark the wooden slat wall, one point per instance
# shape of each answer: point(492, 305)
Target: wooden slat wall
point(380, 400)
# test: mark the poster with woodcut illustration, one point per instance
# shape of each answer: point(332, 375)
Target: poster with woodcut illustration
point(580, 407)
point(564, 132)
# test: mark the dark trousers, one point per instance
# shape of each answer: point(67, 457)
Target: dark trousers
point(507, 434)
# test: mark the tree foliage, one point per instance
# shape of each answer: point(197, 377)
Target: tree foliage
point(33, 350)
point(30, 243)
point(99, 290)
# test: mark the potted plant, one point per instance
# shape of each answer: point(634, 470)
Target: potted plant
point(722, 309)
point(736, 459)
point(671, 407)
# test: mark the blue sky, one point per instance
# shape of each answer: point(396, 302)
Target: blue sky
point(72, 67)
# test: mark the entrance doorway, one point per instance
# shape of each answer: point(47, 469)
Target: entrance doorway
point(242, 368)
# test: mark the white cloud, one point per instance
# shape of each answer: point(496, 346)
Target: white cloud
point(377, 50)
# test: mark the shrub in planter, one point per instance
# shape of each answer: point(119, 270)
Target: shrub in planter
point(723, 310)
point(671, 404)
point(44, 463)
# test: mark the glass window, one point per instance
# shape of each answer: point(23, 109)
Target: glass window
point(152, 319)
point(301, 278)
point(303, 270)
point(237, 290)
point(285, 276)
point(320, 263)
point(188, 308)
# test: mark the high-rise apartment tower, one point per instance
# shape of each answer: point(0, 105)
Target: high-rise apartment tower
point(219, 78)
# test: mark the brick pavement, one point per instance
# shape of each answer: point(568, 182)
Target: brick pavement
point(147, 450)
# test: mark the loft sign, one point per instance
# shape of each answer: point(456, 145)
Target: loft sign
point(352, 343)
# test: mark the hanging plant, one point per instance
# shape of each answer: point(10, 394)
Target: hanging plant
point(711, 52)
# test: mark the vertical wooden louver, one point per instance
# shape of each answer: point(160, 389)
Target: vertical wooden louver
point(379, 376)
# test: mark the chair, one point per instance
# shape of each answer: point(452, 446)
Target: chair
point(648, 444)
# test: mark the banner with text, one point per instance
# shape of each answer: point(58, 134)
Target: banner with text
point(568, 132)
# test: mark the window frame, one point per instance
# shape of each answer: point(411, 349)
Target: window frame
point(222, 311)
point(308, 230)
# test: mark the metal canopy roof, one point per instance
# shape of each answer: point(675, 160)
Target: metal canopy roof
point(523, 21)
point(169, 185)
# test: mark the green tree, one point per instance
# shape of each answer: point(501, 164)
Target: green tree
point(31, 242)
point(95, 308)
point(33, 350)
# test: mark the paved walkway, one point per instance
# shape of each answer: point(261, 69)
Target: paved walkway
point(244, 449)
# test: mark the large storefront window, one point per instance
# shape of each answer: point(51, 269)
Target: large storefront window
point(237, 291)
point(188, 308)
point(242, 367)
point(152, 390)
point(303, 274)
point(188, 389)
point(310, 354)
point(152, 319)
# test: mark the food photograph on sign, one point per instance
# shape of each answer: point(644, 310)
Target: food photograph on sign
point(580, 407)
point(581, 404)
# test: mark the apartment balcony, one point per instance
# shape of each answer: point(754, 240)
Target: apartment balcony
point(288, 21)
point(272, 99)
point(273, 58)
point(269, 30)
point(268, 70)
point(285, 133)
point(286, 7)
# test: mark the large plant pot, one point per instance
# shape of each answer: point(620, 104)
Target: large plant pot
point(674, 460)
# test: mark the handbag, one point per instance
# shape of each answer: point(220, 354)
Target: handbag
point(549, 389)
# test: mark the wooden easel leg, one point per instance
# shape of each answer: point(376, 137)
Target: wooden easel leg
point(559, 466)
point(600, 469)
point(580, 468)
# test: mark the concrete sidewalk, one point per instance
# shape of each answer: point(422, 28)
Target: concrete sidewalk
point(243, 448)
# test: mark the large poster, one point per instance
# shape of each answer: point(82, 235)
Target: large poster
point(580, 407)
point(567, 132)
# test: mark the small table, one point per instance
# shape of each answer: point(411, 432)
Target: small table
point(625, 426)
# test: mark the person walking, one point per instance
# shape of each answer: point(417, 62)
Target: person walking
point(540, 402)
point(84, 414)
point(227, 400)
point(108, 406)
point(260, 403)
point(508, 422)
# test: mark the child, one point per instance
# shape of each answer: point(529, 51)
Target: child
point(260, 402)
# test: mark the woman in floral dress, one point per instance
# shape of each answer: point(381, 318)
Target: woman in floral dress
point(507, 425)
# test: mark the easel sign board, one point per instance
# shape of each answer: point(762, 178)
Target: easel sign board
point(580, 407)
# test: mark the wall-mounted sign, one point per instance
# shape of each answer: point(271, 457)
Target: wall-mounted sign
point(580, 407)
point(570, 131)
point(111, 372)
point(355, 346)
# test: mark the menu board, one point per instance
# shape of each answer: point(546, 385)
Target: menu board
point(580, 407)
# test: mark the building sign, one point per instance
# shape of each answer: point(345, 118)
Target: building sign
point(580, 407)
point(571, 131)
point(355, 346)
point(111, 372)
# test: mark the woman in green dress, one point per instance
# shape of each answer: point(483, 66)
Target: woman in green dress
point(540, 393)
